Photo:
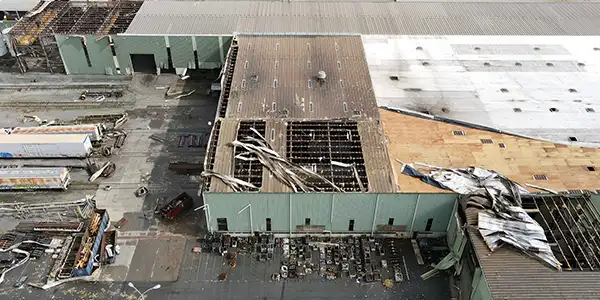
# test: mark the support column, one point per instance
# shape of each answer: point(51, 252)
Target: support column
point(412, 224)
point(375, 214)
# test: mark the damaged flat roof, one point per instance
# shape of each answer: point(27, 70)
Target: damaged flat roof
point(526, 161)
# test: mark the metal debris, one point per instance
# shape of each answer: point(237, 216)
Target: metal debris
point(501, 218)
point(297, 177)
point(235, 184)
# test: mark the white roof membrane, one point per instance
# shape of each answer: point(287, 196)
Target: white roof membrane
point(544, 87)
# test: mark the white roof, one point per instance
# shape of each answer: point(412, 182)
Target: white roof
point(486, 80)
point(9, 173)
point(42, 138)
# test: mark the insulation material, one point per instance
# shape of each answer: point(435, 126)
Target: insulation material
point(501, 219)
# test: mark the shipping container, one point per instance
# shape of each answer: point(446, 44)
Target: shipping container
point(44, 145)
point(34, 178)
point(93, 130)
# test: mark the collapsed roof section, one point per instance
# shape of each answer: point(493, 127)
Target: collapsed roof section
point(75, 18)
point(297, 114)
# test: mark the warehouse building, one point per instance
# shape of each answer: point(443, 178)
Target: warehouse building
point(86, 37)
point(123, 37)
point(308, 99)
point(566, 206)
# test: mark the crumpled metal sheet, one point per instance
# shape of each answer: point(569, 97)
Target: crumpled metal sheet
point(500, 218)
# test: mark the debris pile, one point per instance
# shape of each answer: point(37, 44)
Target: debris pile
point(258, 149)
point(496, 201)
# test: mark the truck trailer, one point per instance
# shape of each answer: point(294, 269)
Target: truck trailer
point(45, 145)
point(93, 130)
point(34, 179)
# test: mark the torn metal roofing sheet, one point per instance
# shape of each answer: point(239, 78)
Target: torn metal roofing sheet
point(543, 87)
point(402, 18)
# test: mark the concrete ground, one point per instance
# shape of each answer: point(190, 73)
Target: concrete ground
point(153, 251)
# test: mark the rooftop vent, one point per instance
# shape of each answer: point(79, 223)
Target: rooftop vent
point(321, 76)
point(459, 132)
point(540, 177)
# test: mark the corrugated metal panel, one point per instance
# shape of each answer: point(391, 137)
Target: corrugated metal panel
point(73, 54)
point(376, 157)
point(513, 275)
point(404, 18)
point(224, 154)
point(209, 52)
point(182, 51)
point(156, 45)
point(279, 68)
point(318, 207)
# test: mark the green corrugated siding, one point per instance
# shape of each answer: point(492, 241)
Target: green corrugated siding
point(73, 54)
point(436, 206)
point(182, 51)
point(126, 45)
point(209, 53)
point(317, 207)
point(481, 290)
point(6, 24)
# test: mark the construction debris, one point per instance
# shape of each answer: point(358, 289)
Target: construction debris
point(501, 218)
point(258, 149)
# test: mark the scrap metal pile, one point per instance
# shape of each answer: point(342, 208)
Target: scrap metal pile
point(258, 149)
point(496, 201)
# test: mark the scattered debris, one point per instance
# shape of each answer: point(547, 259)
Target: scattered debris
point(141, 191)
point(120, 223)
point(501, 218)
point(157, 138)
point(106, 171)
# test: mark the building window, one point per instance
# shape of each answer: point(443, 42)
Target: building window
point(309, 84)
point(310, 106)
point(307, 221)
point(275, 83)
point(351, 225)
point(222, 224)
point(429, 224)
point(339, 65)
point(268, 224)
point(391, 221)
point(345, 107)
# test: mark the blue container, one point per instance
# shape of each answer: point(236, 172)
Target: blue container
point(87, 271)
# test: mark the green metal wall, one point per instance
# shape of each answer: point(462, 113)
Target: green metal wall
point(481, 290)
point(73, 54)
point(126, 45)
point(211, 51)
point(334, 211)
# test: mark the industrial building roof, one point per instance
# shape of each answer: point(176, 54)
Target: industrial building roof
point(277, 77)
point(42, 138)
point(401, 18)
point(511, 274)
point(538, 86)
point(329, 127)
point(18, 5)
point(555, 166)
